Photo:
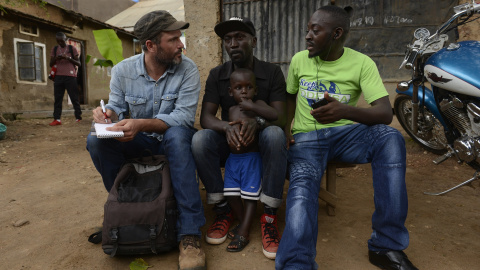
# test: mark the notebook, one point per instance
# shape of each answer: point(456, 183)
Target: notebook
point(100, 130)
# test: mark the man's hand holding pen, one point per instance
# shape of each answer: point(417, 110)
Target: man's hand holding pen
point(102, 115)
point(102, 104)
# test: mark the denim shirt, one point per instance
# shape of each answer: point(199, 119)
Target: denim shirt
point(173, 98)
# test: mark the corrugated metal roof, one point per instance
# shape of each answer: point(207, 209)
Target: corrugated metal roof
point(127, 18)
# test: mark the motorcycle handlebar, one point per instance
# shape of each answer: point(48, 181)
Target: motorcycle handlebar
point(411, 59)
point(461, 10)
point(468, 7)
point(419, 48)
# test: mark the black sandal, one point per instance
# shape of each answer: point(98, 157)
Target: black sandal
point(231, 234)
point(240, 242)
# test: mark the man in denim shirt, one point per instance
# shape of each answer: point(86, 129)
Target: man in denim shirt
point(158, 91)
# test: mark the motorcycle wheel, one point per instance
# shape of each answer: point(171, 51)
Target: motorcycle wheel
point(430, 133)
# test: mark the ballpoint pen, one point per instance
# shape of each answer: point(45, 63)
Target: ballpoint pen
point(103, 109)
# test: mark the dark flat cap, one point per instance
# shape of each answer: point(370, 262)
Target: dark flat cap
point(235, 24)
point(152, 23)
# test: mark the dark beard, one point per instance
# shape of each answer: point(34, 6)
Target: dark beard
point(163, 60)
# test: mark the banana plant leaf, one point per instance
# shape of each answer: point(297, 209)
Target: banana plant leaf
point(87, 58)
point(109, 45)
point(103, 63)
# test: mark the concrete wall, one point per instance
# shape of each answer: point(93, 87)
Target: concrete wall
point(204, 46)
point(17, 98)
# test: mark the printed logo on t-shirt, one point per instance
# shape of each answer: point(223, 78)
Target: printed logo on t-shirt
point(313, 91)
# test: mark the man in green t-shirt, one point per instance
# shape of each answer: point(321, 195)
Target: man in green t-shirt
point(338, 130)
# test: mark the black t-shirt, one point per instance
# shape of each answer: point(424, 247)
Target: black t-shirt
point(270, 85)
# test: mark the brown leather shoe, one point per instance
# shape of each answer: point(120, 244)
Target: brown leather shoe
point(191, 256)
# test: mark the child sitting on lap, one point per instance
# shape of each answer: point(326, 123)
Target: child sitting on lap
point(243, 168)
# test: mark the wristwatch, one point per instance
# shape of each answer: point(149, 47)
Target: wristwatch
point(260, 121)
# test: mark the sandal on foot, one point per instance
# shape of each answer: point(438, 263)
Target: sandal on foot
point(240, 242)
point(231, 234)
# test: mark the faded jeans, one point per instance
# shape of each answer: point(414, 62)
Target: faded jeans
point(210, 150)
point(108, 156)
point(380, 145)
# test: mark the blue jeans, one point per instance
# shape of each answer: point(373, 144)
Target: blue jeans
point(108, 156)
point(210, 150)
point(380, 145)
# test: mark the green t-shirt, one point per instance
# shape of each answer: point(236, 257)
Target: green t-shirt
point(344, 79)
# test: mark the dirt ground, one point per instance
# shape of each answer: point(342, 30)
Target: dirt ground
point(51, 200)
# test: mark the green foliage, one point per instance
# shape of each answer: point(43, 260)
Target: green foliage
point(139, 264)
point(104, 63)
point(109, 45)
point(87, 59)
point(18, 3)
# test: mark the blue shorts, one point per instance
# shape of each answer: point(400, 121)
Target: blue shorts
point(243, 176)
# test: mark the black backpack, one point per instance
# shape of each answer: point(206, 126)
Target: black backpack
point(141, 212)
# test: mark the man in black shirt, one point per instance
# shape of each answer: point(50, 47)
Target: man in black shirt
point(210, 146)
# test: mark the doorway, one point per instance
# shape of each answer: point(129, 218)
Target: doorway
point(81, 71)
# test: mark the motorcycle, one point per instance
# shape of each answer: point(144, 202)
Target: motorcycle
point(445, 119)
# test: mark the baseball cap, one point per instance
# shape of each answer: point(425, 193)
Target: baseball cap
point(235, 24)
point(152, 23)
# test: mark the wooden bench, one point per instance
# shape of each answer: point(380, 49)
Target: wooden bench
point(329, 193)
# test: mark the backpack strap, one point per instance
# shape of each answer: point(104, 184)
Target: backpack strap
point(153, 237)
point(95, 238)
point(55, 51)
point(114, 237)
point(70, 48)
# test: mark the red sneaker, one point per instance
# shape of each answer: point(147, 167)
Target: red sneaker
point(270, 236)
point(55, 123)
point(217, 233)
point(78, 120)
